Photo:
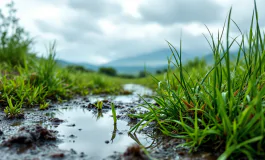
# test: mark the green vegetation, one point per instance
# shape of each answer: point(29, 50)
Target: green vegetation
point(74, 68)
point(29, 81)
point(11, 110)
point(113, 113)
point(142, 74)
point(221, 106)
point(99, 105)
point(115, 122)
point(195, 63)
point(14, 43)
point(108, 71)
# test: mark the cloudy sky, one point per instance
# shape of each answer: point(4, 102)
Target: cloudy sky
point(99, 31)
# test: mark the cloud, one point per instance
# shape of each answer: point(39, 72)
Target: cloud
point(104, 30)
point(172, 11)
point(96, 8)
point(71, 30)
point(242, 13)
point(100, 38)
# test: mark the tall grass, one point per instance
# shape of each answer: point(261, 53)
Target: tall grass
point(14, 42)
point(223, 106)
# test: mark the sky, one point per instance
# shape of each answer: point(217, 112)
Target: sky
point(100, 31)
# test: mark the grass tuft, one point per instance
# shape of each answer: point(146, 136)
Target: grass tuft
point(220, 106)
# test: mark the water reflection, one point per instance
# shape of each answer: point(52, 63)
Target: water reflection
point(92, 132)
point(114, 132)
point(137, 91)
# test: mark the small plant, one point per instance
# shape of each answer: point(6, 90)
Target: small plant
point(114, 113)
point(44, 106)
point(99, 105)
point(115, 122)
point(12, 111)
point(36, 95)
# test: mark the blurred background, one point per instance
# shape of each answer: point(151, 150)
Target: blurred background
point(128, 37)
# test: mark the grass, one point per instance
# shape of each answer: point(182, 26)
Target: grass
point(114, 113)
point(221, 106)
point(30, 81)
point(99, 105)
point(151, 81)
point(12, 110)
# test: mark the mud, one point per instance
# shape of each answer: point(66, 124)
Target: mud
point(77, 130)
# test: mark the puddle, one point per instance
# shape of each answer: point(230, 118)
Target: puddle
point(94, 133)
point(86, 133)
point(137, 91)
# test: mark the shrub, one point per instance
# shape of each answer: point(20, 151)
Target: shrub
point(78, 68)
point(108, 71)
point(142, 74)
point(127, 76)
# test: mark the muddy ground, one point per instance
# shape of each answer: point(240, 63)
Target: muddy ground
point(34, 136)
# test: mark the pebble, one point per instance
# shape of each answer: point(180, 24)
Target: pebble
point(72, 136)
point(82, 154)
point(70, 125)
point(73, 151)
point(57, 155)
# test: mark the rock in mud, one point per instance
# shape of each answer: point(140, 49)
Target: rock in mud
point(72, 136)
point(71, 125)
point(135, 152)
point(56, 120)
point(18, 116)
point(30, 134)
point(57, 155)
point(1, 133)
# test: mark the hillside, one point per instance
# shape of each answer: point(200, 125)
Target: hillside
point(134, 64)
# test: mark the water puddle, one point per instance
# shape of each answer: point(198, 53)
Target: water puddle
point(137, 91)
point(93, 132)
point(85, 131)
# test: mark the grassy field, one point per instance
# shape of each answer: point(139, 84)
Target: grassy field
point(221, 106)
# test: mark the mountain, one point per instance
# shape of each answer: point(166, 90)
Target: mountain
point(64, 63)
point(133, 70)
point(150, 62)
point(153, 59)
point(209, 58)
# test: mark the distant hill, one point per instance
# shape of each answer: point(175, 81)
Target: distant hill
point(120, 69)
point(154, 59)
point(150, 62)
point(64, 63)
point(209, 58)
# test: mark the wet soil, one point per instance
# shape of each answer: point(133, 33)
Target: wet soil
point(76, 129)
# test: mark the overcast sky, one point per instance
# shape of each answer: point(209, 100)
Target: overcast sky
point(98, 31)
